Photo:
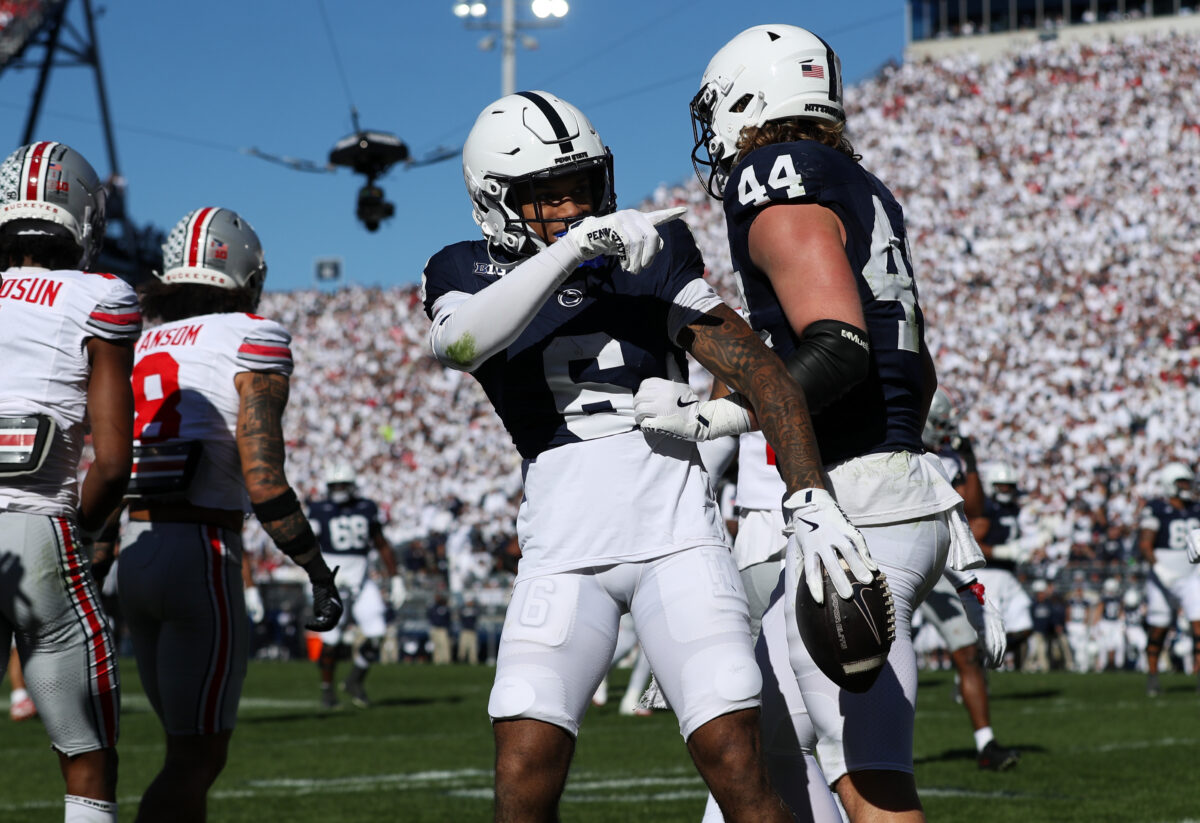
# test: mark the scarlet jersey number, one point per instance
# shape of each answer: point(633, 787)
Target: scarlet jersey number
point(156, 398)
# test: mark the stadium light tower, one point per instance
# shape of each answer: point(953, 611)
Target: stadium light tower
point(473, 13)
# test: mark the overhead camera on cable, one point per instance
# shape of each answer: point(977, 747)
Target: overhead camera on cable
point(372, 154)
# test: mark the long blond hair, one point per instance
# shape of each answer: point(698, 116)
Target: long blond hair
point(791, 129)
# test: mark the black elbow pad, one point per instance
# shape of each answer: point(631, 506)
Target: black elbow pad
point(831, 358)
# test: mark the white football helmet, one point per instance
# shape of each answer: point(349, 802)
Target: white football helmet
point(942, 422)
point(1001, 479)
point(1171, 476)
point(518, 142)
point(52, 183)
point(1111, 586)
point(214, 247)
point(340, 480)
point(765, 73)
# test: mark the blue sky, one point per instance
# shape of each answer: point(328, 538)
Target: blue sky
point(192, 85)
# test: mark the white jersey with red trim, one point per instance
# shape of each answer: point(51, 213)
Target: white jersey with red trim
point(759, 485)
point(187, 404)
point(46, 319)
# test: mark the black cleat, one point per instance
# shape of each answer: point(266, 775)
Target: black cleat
point(329, 699)
point(353, 688)
point(997, 758)
point(1153, 689)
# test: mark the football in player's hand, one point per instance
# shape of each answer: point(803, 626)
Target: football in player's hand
point(849, 640)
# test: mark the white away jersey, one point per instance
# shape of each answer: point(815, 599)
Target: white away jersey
point(46, 319)
point(184, 395)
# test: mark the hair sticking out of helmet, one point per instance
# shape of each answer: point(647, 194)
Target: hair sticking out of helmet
point(214, 247)
point(521, 145)
point(766, 73)
point(49, 184)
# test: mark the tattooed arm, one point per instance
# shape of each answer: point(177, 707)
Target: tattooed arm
point(725, 345)
point(263, 398)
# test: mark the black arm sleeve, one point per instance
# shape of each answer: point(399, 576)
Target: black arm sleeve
point(831, 358)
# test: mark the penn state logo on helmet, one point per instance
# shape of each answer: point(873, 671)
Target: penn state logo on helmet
point(522, 141)
point(214, 247)
point(49, 188)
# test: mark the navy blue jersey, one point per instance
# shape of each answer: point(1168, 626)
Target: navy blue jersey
point(344, 528)
point(1110, 607)
point(1169, 524)
point(1003, 526)
point(885, 412)
point(571, 374)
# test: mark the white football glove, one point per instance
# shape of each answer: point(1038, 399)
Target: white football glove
point(254, 605)
point(1193, 546)
point(988, 624)
point(823, 536)
point(669, 407)
point(399, 592)
point(628, 235)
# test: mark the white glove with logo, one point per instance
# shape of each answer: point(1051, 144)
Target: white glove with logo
point(823, 535)
point(254, 605)
point(1193, 546)
point(988, 624)
point(628, 235)
point(399, 592)
point(668, 407)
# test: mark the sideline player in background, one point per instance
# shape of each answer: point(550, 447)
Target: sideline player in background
point(564, 308)
point(824, 268)
point(1172, 585)
point(67, 342)
point(211, 385)
point(998, 530)
point(348, 527)
point(944, 608)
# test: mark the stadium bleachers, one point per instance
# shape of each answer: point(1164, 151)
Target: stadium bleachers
point(1051, 198)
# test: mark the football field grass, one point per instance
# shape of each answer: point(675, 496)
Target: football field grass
point(1094, 749)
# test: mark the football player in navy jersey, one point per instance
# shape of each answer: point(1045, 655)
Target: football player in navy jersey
point(349, 527)
point(1173, 584)
point(944, 608)
point(821, 252)
point(560, 312)
point(998, 530)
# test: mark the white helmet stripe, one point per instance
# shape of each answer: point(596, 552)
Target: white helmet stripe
point(556, 121)
point(196, 234)
point(34, 171)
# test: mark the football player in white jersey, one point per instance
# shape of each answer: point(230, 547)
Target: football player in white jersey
point(67, 341)
point(563, 308)
point(210, 385)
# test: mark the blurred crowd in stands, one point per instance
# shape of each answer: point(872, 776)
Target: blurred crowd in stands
point(1051, 198)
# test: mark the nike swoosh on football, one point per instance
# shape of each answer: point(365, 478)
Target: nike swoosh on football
point(679, 402)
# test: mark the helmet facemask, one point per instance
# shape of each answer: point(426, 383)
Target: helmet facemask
point(592, 191)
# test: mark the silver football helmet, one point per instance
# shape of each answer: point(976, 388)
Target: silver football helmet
point(766, 73)
point(52, 183)
point(942, 422)
point(523, 140)
point(214, 247)
point(1171, 476)
point(341, 480)
point(1001, 483)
